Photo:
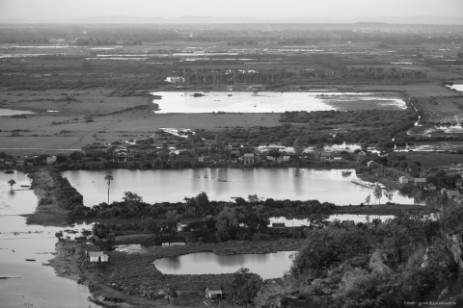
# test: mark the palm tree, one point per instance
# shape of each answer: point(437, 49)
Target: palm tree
point(108, 178)
point(11, 182)
point(378, 193)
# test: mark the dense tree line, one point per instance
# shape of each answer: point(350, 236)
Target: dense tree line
point(202, 76)
point(407, 259)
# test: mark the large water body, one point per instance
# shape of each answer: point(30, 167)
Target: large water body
point(268, 102)
point(458, 87)
point(35, 283)
point(269, 265)
point(224, 183)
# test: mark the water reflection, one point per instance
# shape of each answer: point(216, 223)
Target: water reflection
point(174, 185)
point(269, 265)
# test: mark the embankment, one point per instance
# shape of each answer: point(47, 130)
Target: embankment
point(56, 198)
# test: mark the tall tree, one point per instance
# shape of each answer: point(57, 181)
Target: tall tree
point(368, 199)
point(131, 196)
point(243, 287)
point(11, 182)
point(378, 193)
point(227, 224)
point(108, 178)
point(298, 146)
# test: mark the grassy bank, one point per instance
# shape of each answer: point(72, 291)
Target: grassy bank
point(56, 198)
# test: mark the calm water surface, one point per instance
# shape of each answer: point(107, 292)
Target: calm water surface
point(269, 265)
point(267, 102)
point(223, 184)
point(37, 284)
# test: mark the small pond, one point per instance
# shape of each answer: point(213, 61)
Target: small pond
point(268, 265)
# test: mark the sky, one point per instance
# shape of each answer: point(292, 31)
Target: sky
point(261, 9)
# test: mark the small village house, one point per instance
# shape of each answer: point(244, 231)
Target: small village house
point(214, 292)
point(97, 257)
point(403, 180)
point(175, 80)
point(90, 247)
point(247, 159)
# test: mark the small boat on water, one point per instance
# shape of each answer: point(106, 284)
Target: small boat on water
point(30, 260)
point(25, 186)
point(196, 94)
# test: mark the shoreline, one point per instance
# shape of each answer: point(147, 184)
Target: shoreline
point(70, 262)
point(56, 198)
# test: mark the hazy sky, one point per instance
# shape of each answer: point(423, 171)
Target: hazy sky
point(64, 9)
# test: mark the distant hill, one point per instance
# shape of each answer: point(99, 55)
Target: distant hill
point(373, 21)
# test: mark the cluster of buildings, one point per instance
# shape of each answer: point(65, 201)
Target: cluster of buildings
point(9, 162)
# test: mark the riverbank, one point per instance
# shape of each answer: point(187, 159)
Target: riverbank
point(48, 212)
point(70, 262)
point(56, 198)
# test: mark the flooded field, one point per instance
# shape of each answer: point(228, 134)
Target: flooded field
point(224, 184)
point(32, 283)
point(269, 265)
point(11, 112)
point(268, 102)
point(458, 87)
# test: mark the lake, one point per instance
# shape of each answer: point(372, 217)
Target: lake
point(223, 184)
point(36, 283)
point(268, 265)
point(268, 102)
